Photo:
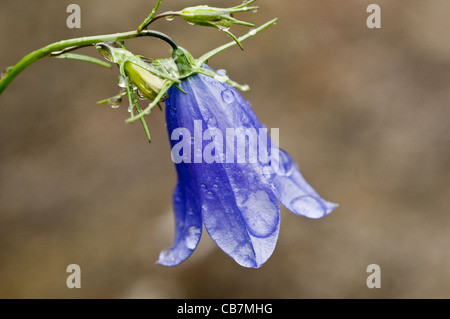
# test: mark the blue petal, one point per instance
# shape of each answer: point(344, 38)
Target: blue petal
point(294, 192)
point(241, 217)
point(188, 223)
point(238, 206)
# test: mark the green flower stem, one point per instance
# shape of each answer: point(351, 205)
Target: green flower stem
point(61, 46)
point(147, 21)
point(207, 56)
point(196, 67)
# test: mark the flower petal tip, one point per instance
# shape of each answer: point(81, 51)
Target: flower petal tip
point(311, 206)
point(169, 257)
point(181, 250)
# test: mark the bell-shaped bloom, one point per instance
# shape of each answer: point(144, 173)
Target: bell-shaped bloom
point(235, 197)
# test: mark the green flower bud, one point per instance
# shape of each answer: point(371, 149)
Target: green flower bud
point(148, 84)
point(218, 17)
point(203, 15)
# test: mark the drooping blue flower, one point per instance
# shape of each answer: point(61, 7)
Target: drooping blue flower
point(237, 202)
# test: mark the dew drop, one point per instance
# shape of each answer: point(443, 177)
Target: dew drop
point(307, 206)
point(192, 237)
point(170, 18)
point(115, 101)
point(228, 96)
point(141, 95)
point(163, 254)
point(283, 164)
point(212, 122)
point(221, 78)
point(4, 72)
point(222, 72)
point(252, 32)
point(245, 87)
point(260, 213)
point(121, 81)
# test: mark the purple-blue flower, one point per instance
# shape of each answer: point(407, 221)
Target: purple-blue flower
point(237, 202)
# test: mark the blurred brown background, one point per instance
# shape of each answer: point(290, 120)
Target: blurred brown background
point(364, 113)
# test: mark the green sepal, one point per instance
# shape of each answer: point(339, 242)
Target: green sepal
point(83, 58)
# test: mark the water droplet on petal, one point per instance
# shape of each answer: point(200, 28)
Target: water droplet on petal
point(307, 206)
point(261, 213)
point(212, 122)
point(170, 18)
point(192, 237)
point(228, 96)
point(164, 252)
point(285, 164)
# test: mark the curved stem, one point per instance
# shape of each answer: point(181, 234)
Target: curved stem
point(76, 43)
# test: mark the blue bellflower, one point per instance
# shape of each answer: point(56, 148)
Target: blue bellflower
point(237, 202)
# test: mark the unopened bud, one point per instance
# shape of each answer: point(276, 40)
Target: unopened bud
point(147, 83)
point(210, 16)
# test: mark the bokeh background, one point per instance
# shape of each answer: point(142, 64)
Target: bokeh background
point(364, 112)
